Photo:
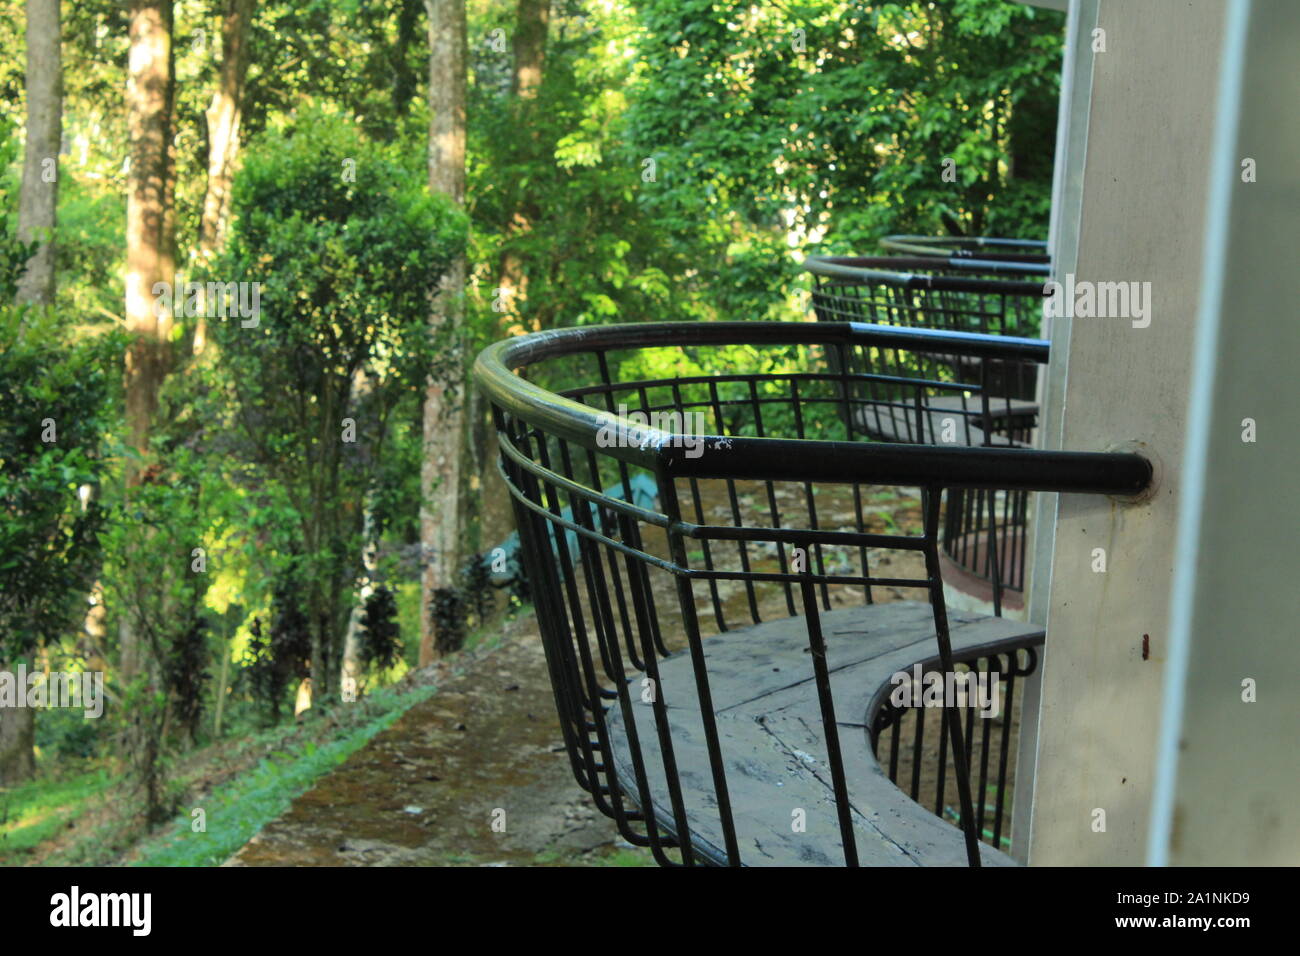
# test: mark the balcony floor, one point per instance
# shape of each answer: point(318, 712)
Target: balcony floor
point(770, 726)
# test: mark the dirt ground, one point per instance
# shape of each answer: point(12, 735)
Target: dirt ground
point(424, 792)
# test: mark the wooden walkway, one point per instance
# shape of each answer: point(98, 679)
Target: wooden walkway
point(770, 725)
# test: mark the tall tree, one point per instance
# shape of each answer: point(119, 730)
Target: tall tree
point(224, 116)
point(37, 202)
point(149, 266)
point(148, 246)
point(347, 266)
point(529, 45)
point(443, 409)
point(40, 188)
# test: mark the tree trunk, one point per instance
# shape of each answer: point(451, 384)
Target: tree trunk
point(532, 18)
point(17, 740)
point(351, 683)
point(406, 81)
point(443, 412)
point(39, 196)
point(148, 247)
point(167, 242)
point(224, 115)
point(223, 681)
point(150, 260)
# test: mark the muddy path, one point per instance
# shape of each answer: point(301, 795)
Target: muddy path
point(426, 791)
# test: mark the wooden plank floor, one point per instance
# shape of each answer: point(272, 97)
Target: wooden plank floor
point(896, 423)
point(769, 722)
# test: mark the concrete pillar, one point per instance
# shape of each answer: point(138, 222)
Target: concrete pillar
point(1229, 761)
point(1140, 219)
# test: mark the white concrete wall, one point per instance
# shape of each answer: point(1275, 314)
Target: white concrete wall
point(1063, 240)
point(1229, 768)
point(1144, 176)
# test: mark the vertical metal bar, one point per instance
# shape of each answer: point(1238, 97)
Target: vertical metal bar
point(742, 546)
point(1006, 745)
point(842, 356)
point(632, 529)
point(822, 678)
point(608, 525)
point(995, 563)
point(931, 505)
point(916, 753)
point(808, 492)
point(642, 598)
point(771, 498)
point(985, 721)
point(704, 695)
point(893, 746)
point(941, 775)
point(699, 517)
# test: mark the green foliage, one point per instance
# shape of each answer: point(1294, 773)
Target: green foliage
point(831, 117)
point(49, 539)
point(185, 671)
point(450, 617)
point(381, 639)
point(89, 255)
point(346, 267)
point(551, 184)
point(772, 129)
point(34, 812)
point(13, 253)
point(347, 246)
point(156, 565)
point(66, 735)
point(369, 58)
point(277, 658)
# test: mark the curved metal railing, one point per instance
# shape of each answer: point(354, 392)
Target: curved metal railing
point(704, 651)
point(985, 533)
point(922, 292)
point(1028, 256)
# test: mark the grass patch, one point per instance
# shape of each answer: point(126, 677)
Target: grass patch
point(236, 811)
point(36, 811)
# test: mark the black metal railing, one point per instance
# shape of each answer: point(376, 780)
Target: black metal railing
point(926, 292)
point(990, 743)
point(719, 659)
point(985, 532)
point(1026, 256)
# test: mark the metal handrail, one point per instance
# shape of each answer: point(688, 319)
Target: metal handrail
point(1011, 255)
point(925, 292)
point(1115, 473)
point(917, 272)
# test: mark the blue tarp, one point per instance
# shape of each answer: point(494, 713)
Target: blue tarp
point(644, 493)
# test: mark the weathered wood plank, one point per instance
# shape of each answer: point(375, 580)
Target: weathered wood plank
point(770, 729)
